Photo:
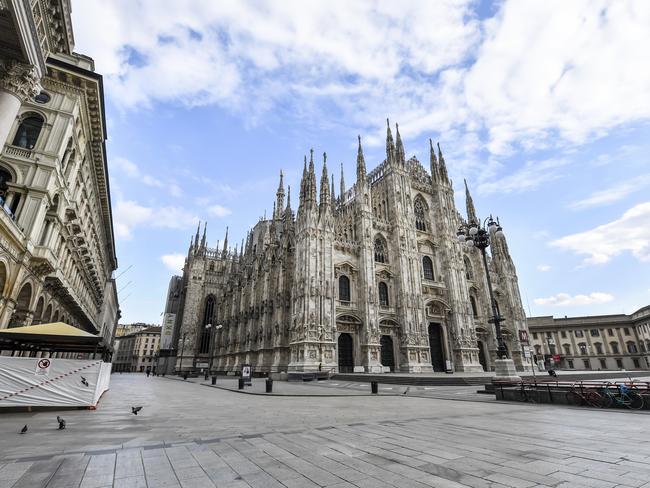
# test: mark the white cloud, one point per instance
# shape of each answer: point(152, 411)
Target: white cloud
point(219, 210)
point(132, 171)
point(630, 233)
point(174, 262)
point(613, 194)
point(565, 300)
point(527, 178)
point(543, 267)
point(129, 214)
point(537, 74)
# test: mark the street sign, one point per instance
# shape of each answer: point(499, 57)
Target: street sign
point(43, 367)
point(523, 337)
point(246, 372)
point(526, 352)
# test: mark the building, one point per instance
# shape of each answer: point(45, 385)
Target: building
point(137, 352)
point(167, 356)
point(372, 280)
point(125, 329)
point(57, 251)
point(595, 342)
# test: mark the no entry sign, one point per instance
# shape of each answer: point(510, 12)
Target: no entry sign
point(43, 366)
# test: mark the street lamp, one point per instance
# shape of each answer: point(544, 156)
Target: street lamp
point(475, 235)
point(211, 345)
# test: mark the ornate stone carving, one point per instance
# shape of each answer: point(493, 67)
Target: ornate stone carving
point(19, 78)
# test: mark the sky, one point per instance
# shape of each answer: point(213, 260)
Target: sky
point(543, 107)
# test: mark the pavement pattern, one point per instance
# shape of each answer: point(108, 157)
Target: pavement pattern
point(192, 435)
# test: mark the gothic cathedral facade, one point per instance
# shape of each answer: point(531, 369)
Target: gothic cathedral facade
point(371, 280)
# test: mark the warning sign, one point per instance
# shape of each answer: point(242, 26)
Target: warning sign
point(43, 367)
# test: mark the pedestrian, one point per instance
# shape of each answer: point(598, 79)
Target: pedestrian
point(148, 372)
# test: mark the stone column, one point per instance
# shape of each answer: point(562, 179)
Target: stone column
point(18, 82)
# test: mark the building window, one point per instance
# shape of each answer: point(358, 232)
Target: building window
point(28, 131)
point(631, 348)
point(420, 219)
point(538, 349)
point(603, 364)
point(380, 250)
point(427, 268)
point(583, 348)
point(344, 288)
point(610, 332)
point(204, 345)
point(534, 335)
point(594, 333)
point(636, 363)
point(469, 272)
point(619, 363)
point(472, 302)
point(579, 333)
point(383, 294)
point(614, 346)
point(567, 349)
point(570, 361)
point(563, 334)
point(626, 331)
point(586, 363)
point(599, 348)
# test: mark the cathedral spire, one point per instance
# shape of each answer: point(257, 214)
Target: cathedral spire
point(196, 238)
point(303, 184)
point(471, 211)
point(399, 153)
point(325, 202)
point(442, 165)
point(279, 201)
point(312, 178)
point(342, 184)
point(390, 147)
point(361, 165)
point(288, 214)
point(225, 243)
point(433, 162)
point(332, 195)
point(205, 227)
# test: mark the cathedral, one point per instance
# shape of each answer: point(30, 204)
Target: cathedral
point(370, 280)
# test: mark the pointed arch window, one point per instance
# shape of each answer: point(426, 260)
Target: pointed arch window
point(383, 294)
point(344, 288)
point(420, 215)
point(427, 268)
point(472, 302)
point(28, 131)
point(469, 271)
point(204, 344)
point(381, 256)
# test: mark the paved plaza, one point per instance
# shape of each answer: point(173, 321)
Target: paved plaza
point(193, 435)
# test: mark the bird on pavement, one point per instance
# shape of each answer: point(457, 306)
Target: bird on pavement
point(84, 381)
point(135, 410)
point(61, 422)
point(24, 430)
point(408, 388)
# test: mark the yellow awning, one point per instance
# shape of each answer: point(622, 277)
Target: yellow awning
point(53, 329)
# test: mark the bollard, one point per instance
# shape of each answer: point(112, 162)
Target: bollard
point(374, 387)
point(214, 379)
point(241, 383)
point(269, 385)
point(185, 375)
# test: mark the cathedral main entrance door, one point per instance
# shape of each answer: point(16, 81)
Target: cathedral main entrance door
point(387, 357)
point(435, 343)
point(481, 355)
point(346, 353)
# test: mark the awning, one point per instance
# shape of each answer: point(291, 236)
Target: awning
point(56, 336)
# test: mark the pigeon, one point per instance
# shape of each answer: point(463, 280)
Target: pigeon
point(24, 430)
point(84, 381)
point(551, 372)
point(135, 410)
point(407, 390)
point(61, 422)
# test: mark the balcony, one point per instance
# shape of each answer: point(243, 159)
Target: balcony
point(17, 152)
point(43, 260)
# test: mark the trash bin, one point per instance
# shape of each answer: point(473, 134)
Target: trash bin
point(269, 385)
point(214, 379)
point(241, 383)
point(374, 387)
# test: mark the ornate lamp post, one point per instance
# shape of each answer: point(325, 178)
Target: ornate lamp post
point(475, 235)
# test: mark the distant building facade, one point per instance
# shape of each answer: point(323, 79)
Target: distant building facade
point(136, 352)
point(169, 333)
point(372, 280)
point(595, 342)
point(57, 251)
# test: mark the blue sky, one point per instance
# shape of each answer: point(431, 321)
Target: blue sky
point(543, 107)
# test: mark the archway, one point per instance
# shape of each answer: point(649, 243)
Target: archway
point(38, 312)
point(481, 355)
point(345, 353)
point(22, 305)
point(387, 355)
point(3, 278)
point(48, 314)
point(435, 344)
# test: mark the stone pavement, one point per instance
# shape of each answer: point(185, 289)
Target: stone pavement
point(189, 435)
